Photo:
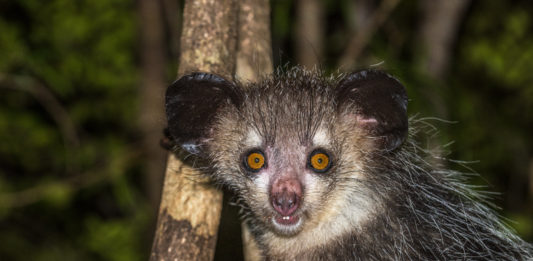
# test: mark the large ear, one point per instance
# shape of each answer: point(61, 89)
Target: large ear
point(379, 104)
point(191, 105)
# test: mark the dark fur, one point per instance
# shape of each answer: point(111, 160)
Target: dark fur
point(422, 212)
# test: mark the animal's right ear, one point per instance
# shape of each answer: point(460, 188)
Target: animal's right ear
point(192, 103)
point(378, 102)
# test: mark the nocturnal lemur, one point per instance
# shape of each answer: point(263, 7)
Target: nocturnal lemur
point(325, 168)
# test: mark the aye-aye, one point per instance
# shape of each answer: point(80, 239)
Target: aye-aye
point(326, 168)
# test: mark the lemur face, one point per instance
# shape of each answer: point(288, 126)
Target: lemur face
point(321, 171)
point(293, 147)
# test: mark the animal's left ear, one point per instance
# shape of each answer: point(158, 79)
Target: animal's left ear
point(192, 104)
point(379, 104)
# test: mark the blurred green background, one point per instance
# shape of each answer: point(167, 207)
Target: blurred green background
point(82, 82)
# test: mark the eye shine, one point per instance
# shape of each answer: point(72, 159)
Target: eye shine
point(254, 161)
point(319, 161)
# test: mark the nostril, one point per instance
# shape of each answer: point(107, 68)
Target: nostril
point(291, 199)
point(285, 203)
point(278, 201)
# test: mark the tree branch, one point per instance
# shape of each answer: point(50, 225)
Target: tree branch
point(190, 209)
point(69, 185)
point(360, 39)
point(53, 107)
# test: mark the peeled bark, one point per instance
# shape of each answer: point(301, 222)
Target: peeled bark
point(190, 207)
point(254, 58)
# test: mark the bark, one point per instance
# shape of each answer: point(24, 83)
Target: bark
point(190, 206)
point(151, 118)
point(254, 59)
point(254, 56)
point(439, 27)
point(309, 40)
point(209, 36)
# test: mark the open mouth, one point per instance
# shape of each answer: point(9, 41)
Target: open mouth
point(286, 220)
point(287, 225)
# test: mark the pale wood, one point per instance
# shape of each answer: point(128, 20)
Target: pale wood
point(190, 207)
point(254, 55)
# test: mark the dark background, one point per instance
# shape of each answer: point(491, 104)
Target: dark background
point(80, 164)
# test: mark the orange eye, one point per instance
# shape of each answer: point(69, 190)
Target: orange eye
point(255, 161)
point(319, 161)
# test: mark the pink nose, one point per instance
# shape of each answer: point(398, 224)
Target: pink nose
point(285, 196)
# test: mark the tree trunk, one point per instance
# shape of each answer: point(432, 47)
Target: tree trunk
point(173, 18)
point(190, 206)
point(363, 10)
point(153, 64)
point(309, 40)
point(439, 26)
point(254, 55)
point(438, 30)
point(254, 59)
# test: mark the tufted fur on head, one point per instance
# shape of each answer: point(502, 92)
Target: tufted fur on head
point(368, 195)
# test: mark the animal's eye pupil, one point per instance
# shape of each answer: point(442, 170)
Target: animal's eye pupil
point(254, 161)
point(319, 161)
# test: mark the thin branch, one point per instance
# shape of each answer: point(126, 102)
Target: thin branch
point(71, 184)
point(360, 39)
point(531, 180)
point(54, 108)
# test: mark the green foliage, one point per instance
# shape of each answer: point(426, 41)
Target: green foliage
point(114, 240)
point(69, 198)
point(493, 98)
point(57, 195)
point(507, 58)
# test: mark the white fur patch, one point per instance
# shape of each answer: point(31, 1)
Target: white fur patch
point(191, 148)
point(262, 182)
point(253, 139)
point(321, 138)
